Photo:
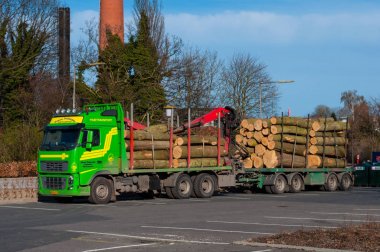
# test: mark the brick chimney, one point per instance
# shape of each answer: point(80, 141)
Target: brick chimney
point(112, 19)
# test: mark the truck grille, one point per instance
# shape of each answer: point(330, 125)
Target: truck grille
point(54, 183)
point(54, 166)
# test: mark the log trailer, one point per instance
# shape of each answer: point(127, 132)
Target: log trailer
point(84, 154)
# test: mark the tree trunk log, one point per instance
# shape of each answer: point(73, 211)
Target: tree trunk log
point(196, 139)
point(295, 121)
point(276, 129)
point(300, 150)
point(314, 161)
point(260, 150)
point(248, 163)
point(258, 136)
point(141, 135)
point(332, 151)
point(197, 152)
point(147, 145)
point(148, 155)
point(196, 162)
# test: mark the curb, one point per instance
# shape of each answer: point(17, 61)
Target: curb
point(283, 246)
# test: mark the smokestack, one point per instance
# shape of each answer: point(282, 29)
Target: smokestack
point(64, 45)
point(111, 19)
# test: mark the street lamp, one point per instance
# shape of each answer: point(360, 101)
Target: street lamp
point(270, 82)
point(74, 82)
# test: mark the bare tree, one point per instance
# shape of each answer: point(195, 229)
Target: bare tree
point(244, 83)
point(194, 81)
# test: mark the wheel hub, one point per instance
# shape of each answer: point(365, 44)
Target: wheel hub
point(102, 191)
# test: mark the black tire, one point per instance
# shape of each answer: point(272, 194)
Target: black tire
point(268, 189)
point(204, 185)
point(345, 182)
point(296, 184)
point(169, 193)
point(331, 183)
point(183, 187)
point(101, 191)
point(279, 185)
point(193, 181)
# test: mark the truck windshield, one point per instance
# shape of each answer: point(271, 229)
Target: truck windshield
point(60, 138)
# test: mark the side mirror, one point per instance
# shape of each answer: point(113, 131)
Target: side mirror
point(90, 136)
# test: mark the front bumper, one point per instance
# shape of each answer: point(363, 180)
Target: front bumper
point(61, 185)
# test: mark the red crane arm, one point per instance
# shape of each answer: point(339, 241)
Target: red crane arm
point(136, 126)
point(209, 117)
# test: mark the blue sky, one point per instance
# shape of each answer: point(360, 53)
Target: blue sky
point(326, 46)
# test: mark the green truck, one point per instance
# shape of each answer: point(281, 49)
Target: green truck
point(83, 154)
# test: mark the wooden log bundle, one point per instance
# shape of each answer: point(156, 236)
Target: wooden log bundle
point(152, 149)
point(292, 142)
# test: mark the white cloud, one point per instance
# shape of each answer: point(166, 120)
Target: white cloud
point(270, 28)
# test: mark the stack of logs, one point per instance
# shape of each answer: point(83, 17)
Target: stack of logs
point(152, 148)
point(292, 142)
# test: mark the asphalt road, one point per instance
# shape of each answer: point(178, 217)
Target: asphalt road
point(162, 224)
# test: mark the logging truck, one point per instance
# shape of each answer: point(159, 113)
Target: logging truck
point(100, 154)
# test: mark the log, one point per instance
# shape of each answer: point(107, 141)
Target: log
point(276, 129)
point(290, 138)
point(260, 150)
point(333, 163)
point(314, 161)
point(239, 138)
point(313, 140)
point(245, 122)
point(265, 131)
point(251, 142)
point(330, 140)
point(270, 137)
point(295, 121)
point(271, 145)
point(333, 126)
point(258, 124)
point(248, 163)
point(258, 136)
point(300, 150)
point(197, 152)
point(148, 155)
point(329, 134)
point(257, 162)
point(249, 135)
point(147, 145)
point(196, 139)
point(332, 151)
point(157, 129)
point(266, 124)
point(251, 127)
point(264, 141)
point(150, 164)
point(141, 135)
point(242, 131)
point(270, 159)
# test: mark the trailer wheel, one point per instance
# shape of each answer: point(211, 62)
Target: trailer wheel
point(296, 184)
point(183, 187)
point(169, 193)
point(268, 189)
point(101, 191)
point(345, 183)
point(279, 185)
point(331, 183)
point(204, 186)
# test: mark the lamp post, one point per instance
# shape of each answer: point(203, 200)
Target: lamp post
point(74, 82)
point(269, 82)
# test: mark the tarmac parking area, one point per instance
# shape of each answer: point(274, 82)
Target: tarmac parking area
point(162, 224)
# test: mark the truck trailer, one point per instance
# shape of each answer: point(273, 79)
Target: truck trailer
point(83, 154)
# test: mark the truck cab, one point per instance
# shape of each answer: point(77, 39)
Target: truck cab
point(80, 146)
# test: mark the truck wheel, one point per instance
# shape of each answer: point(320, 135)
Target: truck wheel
point(101, 191)
point(183, 187)
point(345, 183)
point(279, 185)
point(204, 186)
point(169, 193)
point(331, 183)
point(296, 184)
point(268, 189)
